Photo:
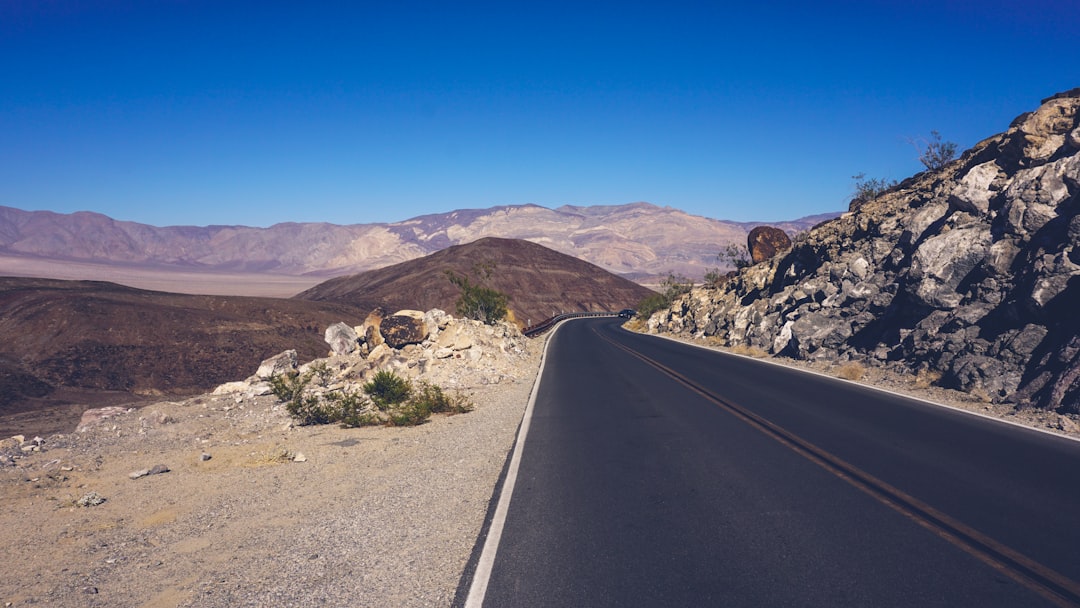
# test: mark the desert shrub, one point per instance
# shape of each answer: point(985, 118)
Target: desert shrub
point(749, 351)
point(352, 410)
point(867, 189)
point(927, 378)
point(311, 410)
point(290, 386)
point(934, 153)
point(651, 304)
point(477, 301)
point(387, 399)
point(736, 256)
point(671, 288)
point(714, 277)
point(322, 371)
point(437, 401)
point(851, 371)
point(408, 413)
point(387, 389)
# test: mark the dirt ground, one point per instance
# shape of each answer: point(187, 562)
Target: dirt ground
point(253, 510)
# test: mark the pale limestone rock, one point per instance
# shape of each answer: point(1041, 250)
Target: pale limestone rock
point(278, 364)
point(342, 338)
point(973, 193)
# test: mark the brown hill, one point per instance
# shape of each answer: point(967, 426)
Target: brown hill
point(70, 345)
point(538, 280)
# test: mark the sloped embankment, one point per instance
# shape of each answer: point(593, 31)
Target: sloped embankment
point(971, 272)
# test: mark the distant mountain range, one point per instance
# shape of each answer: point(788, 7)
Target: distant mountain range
point(637, 241)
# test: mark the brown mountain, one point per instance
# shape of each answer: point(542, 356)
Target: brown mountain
point(539, 281)
point(638, 241)
point(71, 345)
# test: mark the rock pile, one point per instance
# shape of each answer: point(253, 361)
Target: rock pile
point(431, 346)
point(971, 272)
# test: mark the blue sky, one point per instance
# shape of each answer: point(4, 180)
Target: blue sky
point(198, 112)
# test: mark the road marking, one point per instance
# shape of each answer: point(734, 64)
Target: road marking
point(484, 565)
point(1046, 582)
point(871, 387)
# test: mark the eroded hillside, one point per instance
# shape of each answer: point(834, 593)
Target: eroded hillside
point(969, 275)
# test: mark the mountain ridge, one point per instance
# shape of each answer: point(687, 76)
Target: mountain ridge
point(636, 239)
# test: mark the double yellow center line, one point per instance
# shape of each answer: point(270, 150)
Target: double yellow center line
point(1053, 586)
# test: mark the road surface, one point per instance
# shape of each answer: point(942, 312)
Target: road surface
point(658, 474)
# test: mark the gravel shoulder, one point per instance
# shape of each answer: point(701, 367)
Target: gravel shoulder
point(278, 515)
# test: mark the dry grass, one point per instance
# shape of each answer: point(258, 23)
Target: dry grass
point(851, 371)
point(749, 351)
point(927, 378)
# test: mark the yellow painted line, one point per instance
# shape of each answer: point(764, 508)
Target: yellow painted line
point(1051, 585)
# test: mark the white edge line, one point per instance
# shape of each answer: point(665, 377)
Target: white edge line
point(479, 585)
point(868, 386)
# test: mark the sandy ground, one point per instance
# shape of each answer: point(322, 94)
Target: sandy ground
point(277, 516)
point(157, 279)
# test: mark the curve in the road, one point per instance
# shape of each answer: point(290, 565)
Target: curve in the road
point(1053, 586)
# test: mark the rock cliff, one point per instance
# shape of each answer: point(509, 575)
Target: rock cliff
point(969, 274)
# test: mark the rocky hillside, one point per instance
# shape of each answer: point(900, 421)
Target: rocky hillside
point(539, 281)
point(636, 240)
point(969, 275)
point(70, 345)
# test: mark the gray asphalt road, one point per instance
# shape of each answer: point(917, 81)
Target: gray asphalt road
point(656, 474)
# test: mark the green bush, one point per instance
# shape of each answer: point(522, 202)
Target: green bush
point(934, 153)
point(438, 402)
point(290, 386)
point(867, 189)
point(387, 389)
point(388, 399)
point(478, 302)
point(311, 410)
point(352, 410)
point(672, 287)
point(737, 256)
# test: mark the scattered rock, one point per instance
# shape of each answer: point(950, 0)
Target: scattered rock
point(204, 457)
point(299, 457)
point(155, 470)
point(91, 499)
point(95, 416)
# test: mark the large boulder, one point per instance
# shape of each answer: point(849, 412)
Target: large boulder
point(342, 338)
point(370, 328)
point(277, 365)
point(401, 330)
point(764, 242)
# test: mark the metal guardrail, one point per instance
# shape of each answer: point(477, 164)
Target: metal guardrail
point(541, 327)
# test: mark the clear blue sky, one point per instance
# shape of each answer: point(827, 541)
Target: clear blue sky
point(216, 112)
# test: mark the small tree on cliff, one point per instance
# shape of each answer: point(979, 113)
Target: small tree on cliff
point(934, 153)
point(476, 300)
